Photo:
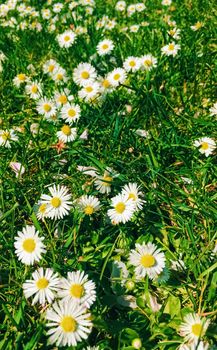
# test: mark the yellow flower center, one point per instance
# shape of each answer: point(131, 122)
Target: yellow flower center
point(104, 46)
point(85, 75)
point(66, 130)
point(59, 76)
point(107, 180)
point(47, 107)
point(62, 99)
point(205, 146)
point(120, 207)
point(76, 290)
point(21, 77)
point(71, 113)
point(117, 76)
point(105, 83)
point(51, 68)
point(55, 202)
point(34, 89)
point(171, 47)
point(42, 283)
point(6, 135)
point(198, 25)
point(148, 63)
point(147, 260)
point(89, 210)
point(132, 63)
point(197, 329)
point(29, 245)
point(89, 88)
point(132, 196)
point(42, 208)
point(68, 324)
point(67, 38)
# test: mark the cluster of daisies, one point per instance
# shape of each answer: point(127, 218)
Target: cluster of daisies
point(149, 261)
point(23, 16)
point(67, 300)
point(59, 202)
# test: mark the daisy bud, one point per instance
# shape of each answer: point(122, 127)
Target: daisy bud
point(18, 168)
point(136, 343)
point(130, 285)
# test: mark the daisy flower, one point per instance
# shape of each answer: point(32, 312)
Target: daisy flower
point(194, 327)
point(140, 7)
point(206, 144)
point(87, 2)
point(103, 183)
point(63, 97)
point(20, 79)
point(29, 246)
point(88, 204)
point(58, 203)
point(105, 86)
point(92, 348)
point(131, 9)
point(148, 62)
point(194, 346)
point(134, 28)
point(196, 26)
point(67, 134)
point(174, 33)
point(132, 64)
point(120, 6)
point(46, 13)
point(122, 209)
point(132, 191)
point(46, 108)
point(57, 7)
point(170, 49)
point(148, 260)
point(41, 211)
point(213, 109)
point(50, 65)
point(166, 2)
point(70, 113)
point(84, 73)
point(59, 75)
point(89, 92)
point(6, 136)
point(78, 289)
point(105, 47)
point(43, 286)
point(69, 323)
point(34, 90)
point(110, 24)
point(117, 77)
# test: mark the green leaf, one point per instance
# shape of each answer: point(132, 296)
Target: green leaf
point(173, 306)
point(34, 340)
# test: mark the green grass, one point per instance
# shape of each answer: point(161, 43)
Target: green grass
point(168, 102)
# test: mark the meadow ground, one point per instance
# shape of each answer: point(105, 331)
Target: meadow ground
point(108, 175)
